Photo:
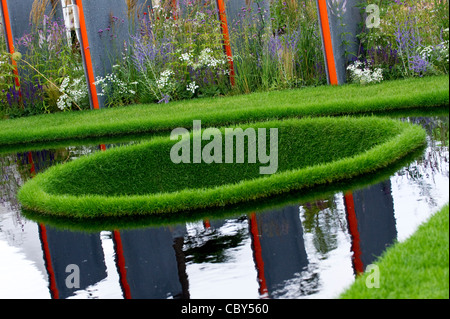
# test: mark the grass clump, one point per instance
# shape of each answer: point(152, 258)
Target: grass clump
point(417, 268)
point(142, 179)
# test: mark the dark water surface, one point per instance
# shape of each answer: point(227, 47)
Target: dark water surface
point(309, 249)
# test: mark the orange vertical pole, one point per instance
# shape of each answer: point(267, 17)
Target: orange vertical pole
point(174, 9)
point(326, 35)
point(353, 229)
point(226, 38)
point(87, 56)
point(9, 37)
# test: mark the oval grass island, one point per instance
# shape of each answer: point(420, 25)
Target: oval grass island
point(143, 179)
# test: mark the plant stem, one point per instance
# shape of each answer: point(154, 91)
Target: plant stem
point(27, 63)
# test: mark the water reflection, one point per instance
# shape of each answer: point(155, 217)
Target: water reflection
point(371, 223)
point(310, 249)
point(64, 248)
point(151, 263)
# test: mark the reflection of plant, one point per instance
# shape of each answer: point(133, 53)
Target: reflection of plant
point(320, 219)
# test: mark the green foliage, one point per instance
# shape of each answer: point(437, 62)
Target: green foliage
point(277, 47)
point(428, 92)
point(50, 72)
point(412, 39)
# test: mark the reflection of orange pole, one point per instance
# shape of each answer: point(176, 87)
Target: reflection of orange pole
point(54, 292)
point(353, 229)
point(9, 37)
point(257, 252)
point(226, 38)
point(30, 161)
point(326, 35)
point(121, 265)
point(87, 56)
point(48, 262)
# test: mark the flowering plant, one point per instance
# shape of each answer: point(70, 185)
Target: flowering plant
point(117, 90)
point(363, 74)
point(73, 90)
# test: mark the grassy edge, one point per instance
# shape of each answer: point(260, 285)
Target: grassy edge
point(32, 195)
point(417, 268)
point(428, 92)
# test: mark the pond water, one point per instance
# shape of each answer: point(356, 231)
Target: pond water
point(310, 249)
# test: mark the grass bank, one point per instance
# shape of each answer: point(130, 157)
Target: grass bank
point(417, 268)
point(427, 92)
point(142, 179)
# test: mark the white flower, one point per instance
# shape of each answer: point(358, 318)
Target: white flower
point(362, 75)
point(192, 87)
point(186, 57)
point(206, 59)
point(72, 91)
point(163, 80)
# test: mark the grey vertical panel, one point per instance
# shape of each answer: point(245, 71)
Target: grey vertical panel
point(81, 249)
point(19, 15)
point(151, 263)
point(282, 245)
point(107, 29)
point(344, 24)
point(374, 208)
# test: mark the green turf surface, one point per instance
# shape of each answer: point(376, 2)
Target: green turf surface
point(427, 92)
point(417, 268)
point(142, 179)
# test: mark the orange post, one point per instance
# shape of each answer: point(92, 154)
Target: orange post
point(87, 56)
point(226, 38)
point(326, 35)
point(9, 37)
point(175, 9)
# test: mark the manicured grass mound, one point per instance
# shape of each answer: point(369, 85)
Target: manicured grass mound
point(415, 269)
point(427, 92)
point(142, 179)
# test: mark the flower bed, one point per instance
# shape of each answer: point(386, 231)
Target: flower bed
point(179, 55)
